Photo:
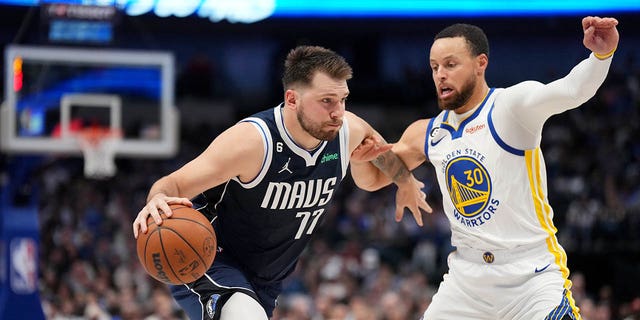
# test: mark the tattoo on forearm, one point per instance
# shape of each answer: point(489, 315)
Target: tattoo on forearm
point(391, 165)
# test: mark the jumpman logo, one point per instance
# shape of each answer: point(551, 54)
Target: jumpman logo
point(286, 167)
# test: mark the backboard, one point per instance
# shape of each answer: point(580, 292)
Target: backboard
point(50, 92)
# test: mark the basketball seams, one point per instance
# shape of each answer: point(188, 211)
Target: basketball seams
point(146, 245)
point(190, 246)
point(187, 231)
point(189, 216)
point(164, 252)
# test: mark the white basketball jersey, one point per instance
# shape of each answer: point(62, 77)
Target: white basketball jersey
point(494, 195)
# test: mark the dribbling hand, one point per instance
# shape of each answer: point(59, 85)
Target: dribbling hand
point(159, 202)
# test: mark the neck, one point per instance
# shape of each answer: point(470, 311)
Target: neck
point(295, 130)
point(479, 93)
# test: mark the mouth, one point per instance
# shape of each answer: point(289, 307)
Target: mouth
point(444, 92)
point(336, 125)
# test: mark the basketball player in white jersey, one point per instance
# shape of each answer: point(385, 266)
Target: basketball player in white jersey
point(485, 147)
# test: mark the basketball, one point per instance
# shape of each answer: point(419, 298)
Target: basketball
point(181, 249)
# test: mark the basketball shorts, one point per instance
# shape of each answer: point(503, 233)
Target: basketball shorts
point(526, 284)
point(204, 298)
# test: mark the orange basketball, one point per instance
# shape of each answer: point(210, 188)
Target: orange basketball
point(181, 249)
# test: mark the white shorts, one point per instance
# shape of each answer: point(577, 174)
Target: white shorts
point(524, 284)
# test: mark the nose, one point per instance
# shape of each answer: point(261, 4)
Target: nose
point(439, 73)
point(338, 113)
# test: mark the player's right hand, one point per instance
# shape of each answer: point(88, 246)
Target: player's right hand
point(410, 195)
point(159, 202)
point(600, 34)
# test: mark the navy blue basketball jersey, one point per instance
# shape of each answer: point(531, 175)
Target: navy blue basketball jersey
point(265, 224)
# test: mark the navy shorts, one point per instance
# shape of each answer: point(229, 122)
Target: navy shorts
point(204, 298)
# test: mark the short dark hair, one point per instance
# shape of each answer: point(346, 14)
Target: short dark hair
point(304, 61)
point(474, 36)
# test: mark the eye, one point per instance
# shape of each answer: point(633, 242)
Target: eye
point(451, 65)
point(434, 68)
point(326, 100)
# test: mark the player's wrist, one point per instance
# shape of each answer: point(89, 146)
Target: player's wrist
point(605, 55)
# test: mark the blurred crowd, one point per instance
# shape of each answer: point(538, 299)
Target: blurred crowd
point(361, 264)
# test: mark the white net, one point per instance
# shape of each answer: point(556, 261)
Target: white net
point(99, 149)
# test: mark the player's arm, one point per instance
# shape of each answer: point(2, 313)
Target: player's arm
point(374, 166)
point(366, 147)
point(410, 147)
point(237, 152)
point(529, 104)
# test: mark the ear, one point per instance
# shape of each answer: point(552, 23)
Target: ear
point(291, 98)
point(482, 62)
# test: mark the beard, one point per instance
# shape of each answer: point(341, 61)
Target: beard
point(459, 99)
point(314, 129)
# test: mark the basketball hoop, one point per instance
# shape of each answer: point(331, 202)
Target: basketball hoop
point(99, 146)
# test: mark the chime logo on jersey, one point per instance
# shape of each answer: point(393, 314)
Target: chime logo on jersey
point(469, 187)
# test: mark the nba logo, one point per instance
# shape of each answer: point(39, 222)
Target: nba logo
point(24, 276)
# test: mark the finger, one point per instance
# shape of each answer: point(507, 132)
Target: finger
point(426, 207)
point(182, 201)
point(606, 23)
point(136, 225)
point(140, 222)
point(399, 212)
point(164, 207)
point(586, 22)
point(153, 210)
point(385, 148)
point(589, 31)
point(417, 215)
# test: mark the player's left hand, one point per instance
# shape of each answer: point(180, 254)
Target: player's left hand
point(370, 148)
point(600, 34)
point(411, 196)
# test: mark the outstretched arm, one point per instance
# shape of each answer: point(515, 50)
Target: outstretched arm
point(529, 104)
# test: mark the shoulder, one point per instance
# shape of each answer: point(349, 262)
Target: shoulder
point(415, 134)
point(519, 89)
point(357, 127)
point(244, 136)
point(418, 127)
point(354, 122)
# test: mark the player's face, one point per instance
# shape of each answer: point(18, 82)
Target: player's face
point(322, 107)
point(453, 71)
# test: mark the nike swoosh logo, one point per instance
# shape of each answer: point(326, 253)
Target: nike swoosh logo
point(433, 143)
point(543, 269)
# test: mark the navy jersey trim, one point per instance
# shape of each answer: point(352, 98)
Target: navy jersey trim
point(268, 152)
point(309, 157)
point(499, 140)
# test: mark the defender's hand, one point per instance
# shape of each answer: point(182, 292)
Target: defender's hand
point(410, 195)
point(370, 148)
point(159, 202)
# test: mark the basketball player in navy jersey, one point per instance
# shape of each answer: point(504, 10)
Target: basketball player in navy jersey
point(268, 180)
point(485, 147)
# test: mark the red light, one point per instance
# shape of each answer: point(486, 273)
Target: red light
point(17, 74)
